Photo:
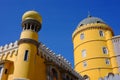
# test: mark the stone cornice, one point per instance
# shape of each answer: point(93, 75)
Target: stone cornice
point(27, 40)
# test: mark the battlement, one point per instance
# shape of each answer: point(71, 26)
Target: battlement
point(8, 47)
point(44, 52)
point(59, 60)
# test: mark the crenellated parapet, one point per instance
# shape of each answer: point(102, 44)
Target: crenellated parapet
point(58, 60)
point(7, 47)
point(8, 50)
point(116, 39)
point(45, 52)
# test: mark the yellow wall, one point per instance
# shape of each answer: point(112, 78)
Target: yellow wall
point(34, 66)
point(29, 34)
point(93, 44)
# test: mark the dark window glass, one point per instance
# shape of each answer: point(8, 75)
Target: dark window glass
point(105, 51)
point(32, 27)
point(6, 70)
point(86, 77)
point(26, 55)
point(28, 26)
point(101, 33)
point(54, 74)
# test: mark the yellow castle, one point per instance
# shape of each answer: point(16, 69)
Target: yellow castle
point(96, 53)
point(29, 59)
point(96, 49)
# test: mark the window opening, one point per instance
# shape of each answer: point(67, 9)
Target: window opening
point(26, 55)
point(101, 33)
point(105, 50)
point(83, 53)
point(82, 36)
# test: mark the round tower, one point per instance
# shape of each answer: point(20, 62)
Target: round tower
point(93, 49)
point(27, 46)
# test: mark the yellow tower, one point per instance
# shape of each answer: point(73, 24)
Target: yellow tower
point(28, 46)
point(94, 57)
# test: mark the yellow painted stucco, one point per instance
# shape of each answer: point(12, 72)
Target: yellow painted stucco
point(27, 60)
point(93, 44)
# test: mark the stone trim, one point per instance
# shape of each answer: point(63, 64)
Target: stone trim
point(27, 40)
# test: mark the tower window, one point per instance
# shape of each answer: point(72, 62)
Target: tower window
point(101, 33)
point(84, 64)
point(6, 70)
point(82, 36)
point(107, 61)
point(84, 53)
point(26, 55)
point(32, 27)
point(54, 74)
point(86, 77)
point(28, 27)
point(105, 50)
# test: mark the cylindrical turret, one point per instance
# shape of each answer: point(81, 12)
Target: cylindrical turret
point(92, 48)
point(28, 46)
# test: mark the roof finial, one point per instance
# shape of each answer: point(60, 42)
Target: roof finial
point(89, 14)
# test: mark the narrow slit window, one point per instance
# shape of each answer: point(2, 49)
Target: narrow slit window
point(26, 56)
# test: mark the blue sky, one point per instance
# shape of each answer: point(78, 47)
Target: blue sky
point(60, 18)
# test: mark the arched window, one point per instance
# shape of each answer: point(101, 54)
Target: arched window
point(107, 61)
point(84, 53)
point(86, 77)
point(105, 50)
point(101, 33)
point(54, 74)
point(82, 36)
point(110, 74)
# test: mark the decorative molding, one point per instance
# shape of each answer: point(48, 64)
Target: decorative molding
point(27, 40)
